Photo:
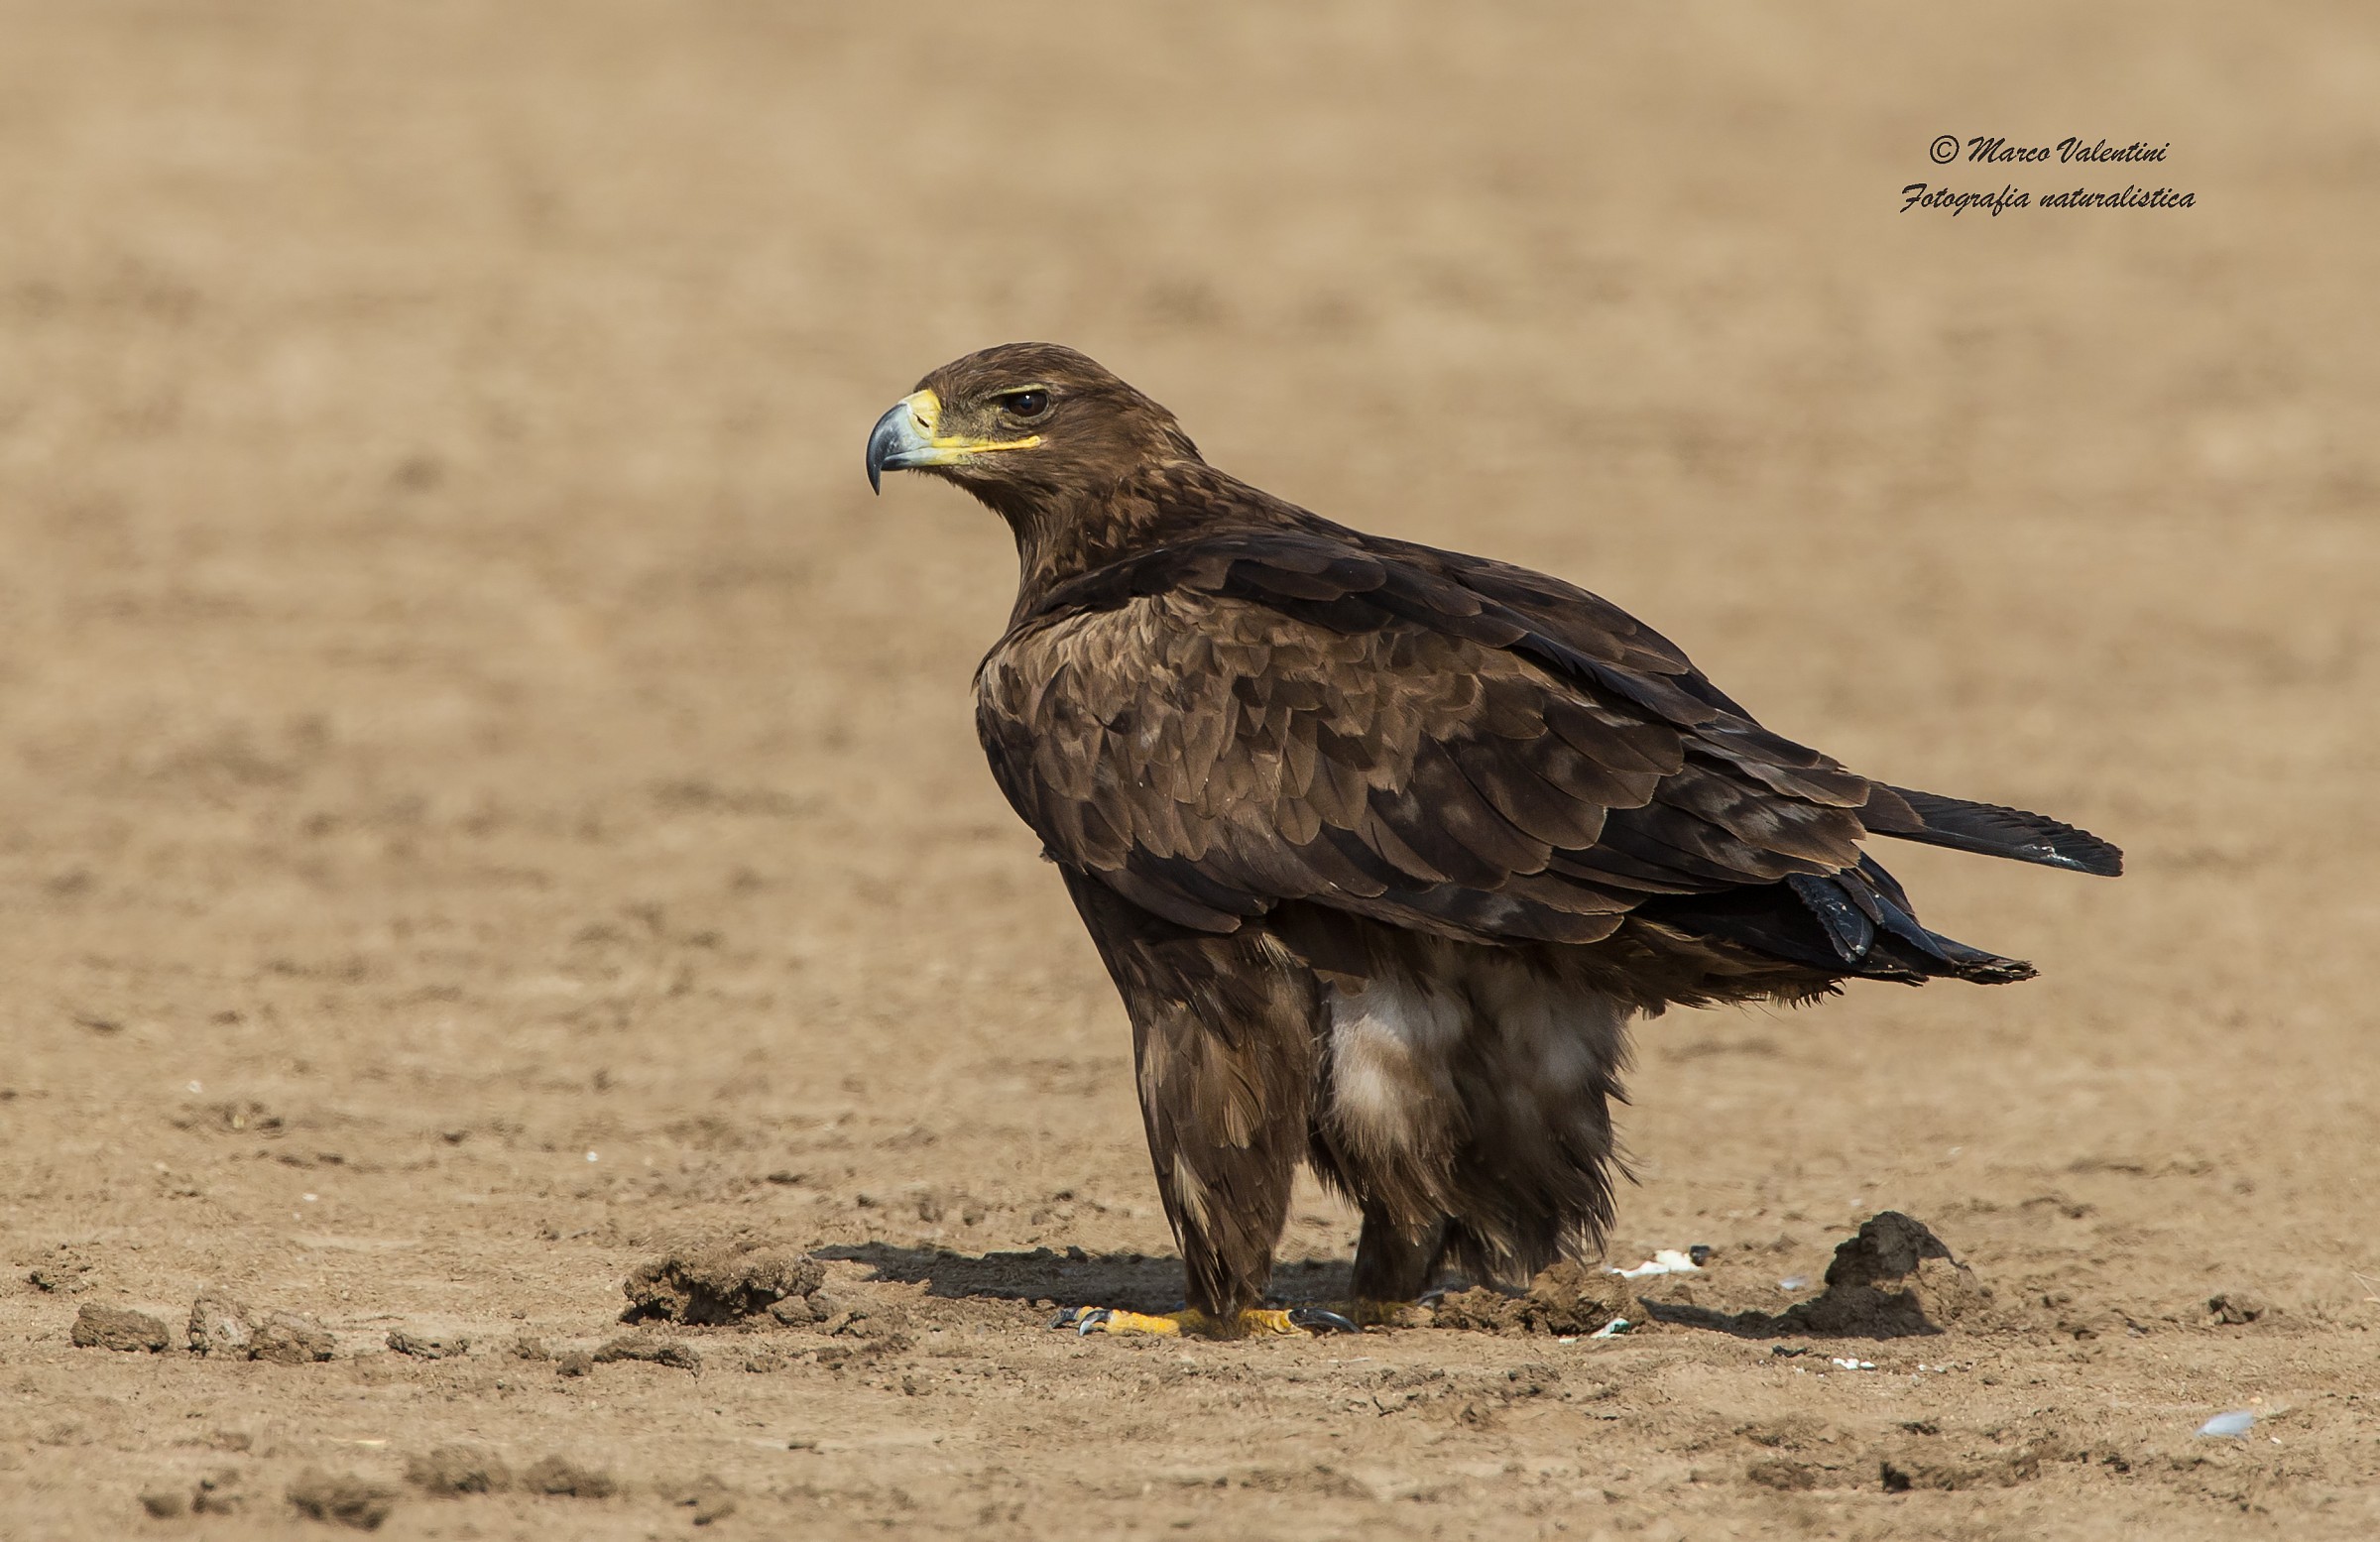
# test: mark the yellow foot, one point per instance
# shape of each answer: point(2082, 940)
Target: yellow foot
point(1255, 1323)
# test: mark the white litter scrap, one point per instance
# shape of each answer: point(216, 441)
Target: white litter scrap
point(1794, 1282)
point(1852, 1365)
point(1669, 1260)
point(2234, 1425)
point(1612, 1329)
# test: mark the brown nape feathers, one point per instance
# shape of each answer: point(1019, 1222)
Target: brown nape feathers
point(1382, 844)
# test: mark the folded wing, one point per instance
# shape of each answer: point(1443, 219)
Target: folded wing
point(1446, 743)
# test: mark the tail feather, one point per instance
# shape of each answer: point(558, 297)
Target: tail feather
point(1992, 830)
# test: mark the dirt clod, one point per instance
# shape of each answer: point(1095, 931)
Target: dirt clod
point(118, 1327)
point(458, 1470)
point(427, 1346)
point(1895, 1278)
point(1950, 1471)
point(710, 1499)
point(166, 1503)
point(219, 1494)
point(562, 1476)
point(291, 1339)
point(2233, 1309)
point(799, 1311)
point(221, 1325)
point(579, 1363)
point(1566, 1299)
point(651, 1348)
point(1789, 1475)
point(857, 1316)
point(343, 1499)
point(723, 1284)
point(63, 1279)
point(1482, 1309)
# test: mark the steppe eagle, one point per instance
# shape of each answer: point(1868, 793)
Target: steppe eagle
point(1385, 845)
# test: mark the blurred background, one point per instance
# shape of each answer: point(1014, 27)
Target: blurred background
point(459, 702)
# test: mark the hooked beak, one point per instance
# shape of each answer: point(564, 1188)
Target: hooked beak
point(906, 439)
point(902, 437)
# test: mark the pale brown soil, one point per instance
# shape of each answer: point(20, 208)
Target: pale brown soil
point(487, 797)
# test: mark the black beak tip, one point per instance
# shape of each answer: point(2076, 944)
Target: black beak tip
point(883, 446)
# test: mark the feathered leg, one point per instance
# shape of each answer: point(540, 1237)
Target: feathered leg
point(1466, 1108)
point(1393, 1265)
point(1223, 1037)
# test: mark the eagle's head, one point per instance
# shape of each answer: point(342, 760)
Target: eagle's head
point(1024, 423)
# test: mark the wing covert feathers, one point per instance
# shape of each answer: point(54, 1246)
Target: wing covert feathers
point(1225, 725)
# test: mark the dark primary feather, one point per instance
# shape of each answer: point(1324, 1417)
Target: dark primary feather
point(1994, 831)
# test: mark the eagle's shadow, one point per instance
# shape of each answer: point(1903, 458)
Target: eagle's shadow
point(1138, 1283)
point(1146, 1283)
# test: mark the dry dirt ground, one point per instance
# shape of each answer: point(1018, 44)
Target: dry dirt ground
point(487, 797)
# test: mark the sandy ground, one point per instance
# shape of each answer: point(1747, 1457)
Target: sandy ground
point(485, 796)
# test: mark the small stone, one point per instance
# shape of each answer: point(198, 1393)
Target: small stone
point(343, 1499)
point(63, 1279)
point(219, 1325)
point(291, 1339)
point(579, 1363)
point(118, 1327)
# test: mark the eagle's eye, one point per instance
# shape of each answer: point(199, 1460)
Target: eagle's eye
point(1026, 404)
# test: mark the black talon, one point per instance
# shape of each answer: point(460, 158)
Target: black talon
point(1066, 1316)
point(1092, 1317)
point(1315, 1319)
